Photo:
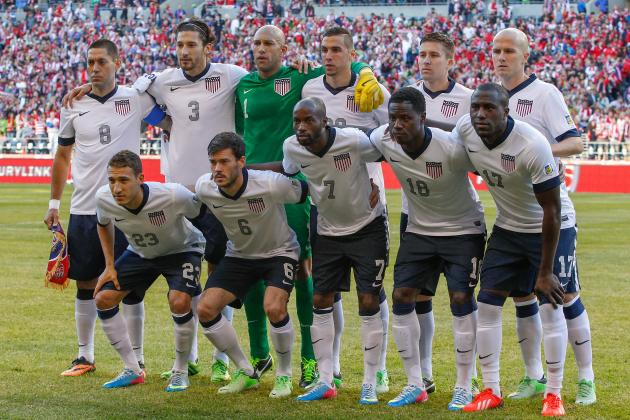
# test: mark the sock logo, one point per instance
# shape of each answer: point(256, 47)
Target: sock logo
point(369, 348)
point(486, 356)
point(583, 342)
point(520, 341)
point(552, 363)
point(462, 351)
point(317, 341)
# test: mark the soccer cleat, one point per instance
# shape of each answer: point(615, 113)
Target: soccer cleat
point(220, 372)
point(476, 385)
point(382, 381)
point(528, 388)
point(261, 365)
point(368, 395)
point(429, 385)
point(240, 382)
point(321, 391)
point(552, 406)
point(586, 393)
point(193, 369)
point(282, 387)
point(79, 366)
point(411, 394)
point(309, 373)
point(337, 380)
point(178, 381)
point(126, 378)
point(461, 398)
point(485, 400)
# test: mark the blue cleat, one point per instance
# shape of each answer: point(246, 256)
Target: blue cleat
point(126, 378)
point(321, 391)
point(461, 398)
point(368, 395)
point(411, 394)
point(178, 381)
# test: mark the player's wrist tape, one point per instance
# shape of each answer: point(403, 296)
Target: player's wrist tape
point(54, 204)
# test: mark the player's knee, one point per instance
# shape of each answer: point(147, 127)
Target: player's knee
point(404, 295)
point(106, 299)
point(207, 311)
point(276, 311)
point(322, 301)
point(568, 297)
point(179, 302)
point(460, 298)
point(423, 298)
point(462, 304)
point(368, 304)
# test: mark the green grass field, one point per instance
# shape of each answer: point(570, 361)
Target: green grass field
point(38, 336)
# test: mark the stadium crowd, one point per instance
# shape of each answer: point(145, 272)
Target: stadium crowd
point(584, 55)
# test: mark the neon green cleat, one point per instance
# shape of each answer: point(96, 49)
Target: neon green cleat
point(241, 382)
point(586, 393)
point(310, 375)
point(261, 365)
point(529, 388)
point(337, 380)
point(220, 372)
point(476, 386)
point(382, 381)
point(193, 369)
point(282, 387)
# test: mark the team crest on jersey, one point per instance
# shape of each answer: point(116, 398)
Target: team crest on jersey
point(157, 218)
point(434, 169)
point(548, 169)
point(256, 205)
point(123, 107)
point(569, 120)
point(351, 105)
point(524, 107)
point(508, 162)
point(213, 83)
point(449, 108)
point(342, 162)
point(282, 86)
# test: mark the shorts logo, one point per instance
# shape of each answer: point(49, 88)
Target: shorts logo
point(434, 169)
point(524, 107)
point(342, 162)
point(213, 83)
point(282, 86)
point(449, 108)
point(256, 205)
point(548, 169)
point(351, 105)
point(123, 107)
point(157, 218)
point(508, 162)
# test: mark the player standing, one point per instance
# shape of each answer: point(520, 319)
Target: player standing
point(162, 241)
point(100, 125)
point(541, 104)
point(519, 169)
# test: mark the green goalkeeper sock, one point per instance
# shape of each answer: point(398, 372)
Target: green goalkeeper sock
point(304, 303)
point(257, 321)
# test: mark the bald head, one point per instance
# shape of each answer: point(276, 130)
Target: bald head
point(315, 106)
point(269, 49)
point(270, 31)
point(515, 36)
point(309, 124)
point(510, 52)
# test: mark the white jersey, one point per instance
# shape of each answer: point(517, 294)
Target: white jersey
point(445, 106)
point(342, 111)
point(542, 106)
point(159, 226)
point(100, 127)
point(520, 165)
point(254, 218)
point(201, 107)
point(338, 179)
point(442, 200)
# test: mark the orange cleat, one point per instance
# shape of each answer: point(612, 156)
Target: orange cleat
point(485, 400)
point(79, 367)
point(552, 406)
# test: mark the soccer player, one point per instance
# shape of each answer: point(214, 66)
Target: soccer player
point(542, 105)
point(337, 89)
point(250, 204)
point(162, 241)
point(100, 125)
point(445, 233)
point(264, 105)
point(519, 169)
point(446, 102)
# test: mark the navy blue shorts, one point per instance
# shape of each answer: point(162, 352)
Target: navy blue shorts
point(512, 260)
point(238, 275)
point(137, 274)
point(216, 239)
point(84, 248)
point(421, 259)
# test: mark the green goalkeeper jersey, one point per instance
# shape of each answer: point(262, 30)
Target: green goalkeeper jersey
point(264, 110)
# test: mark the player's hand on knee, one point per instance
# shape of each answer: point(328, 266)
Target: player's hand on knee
point(109, 274)
point(368, 92)
point(549, 286)
point(76, 94)
point(375, 194)
point(52, 218)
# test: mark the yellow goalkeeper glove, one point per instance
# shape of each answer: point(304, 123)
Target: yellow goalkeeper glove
point(368, 92)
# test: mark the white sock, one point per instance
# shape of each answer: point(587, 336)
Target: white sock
point(228, 314)
point(134, 318)
point(579, 329)
point(85, 317)
point(427, 330)
point(530, 335)
point(555, 339)
point(193, 356)
point(115, 329)
point(282, 339)
point(489, 341)
point(372, 340)
point(339, 323)
point(184, 330)
point(406, 332)
point(322, 334)
point(223, 336)
point(384, 307)
point(473, 370)
point(464, 332)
